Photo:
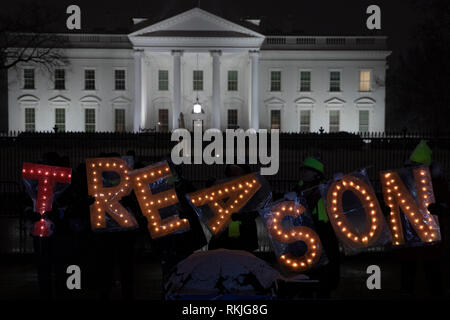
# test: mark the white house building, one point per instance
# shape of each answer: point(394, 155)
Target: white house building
point(145, 79)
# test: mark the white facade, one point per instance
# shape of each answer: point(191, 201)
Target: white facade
point(268, 80)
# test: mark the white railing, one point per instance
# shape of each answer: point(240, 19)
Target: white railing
point(325, 42)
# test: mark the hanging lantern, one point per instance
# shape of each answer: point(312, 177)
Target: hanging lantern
point(197, 107)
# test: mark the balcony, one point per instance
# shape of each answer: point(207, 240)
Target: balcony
point(324, 43)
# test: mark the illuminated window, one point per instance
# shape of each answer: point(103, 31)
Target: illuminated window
point(89, 120)
point(305, 120)
point(60, 79)
point(28, 78)
point(364, 81)
point(89, 79)
point(334, 121)
point(363, 120)
point(232, 119)
point(275, 119)
point(198, 80)
point(305, 81)
point(30, 125)
point(60, 119)
point(335, 81)
point(232, 80)
point(275, 81)
point(163, 120)
point(163, 80)
point(119, 79)
point(120, 120)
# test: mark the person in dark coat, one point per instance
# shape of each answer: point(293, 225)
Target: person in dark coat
point(116, 250)
point(53, 253)
point(42, 247)
point(241, 233)
point(311, 175)
point(431, 255)
point(176, 247)
point(434, 255)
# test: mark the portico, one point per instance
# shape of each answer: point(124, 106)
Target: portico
point(198, 49)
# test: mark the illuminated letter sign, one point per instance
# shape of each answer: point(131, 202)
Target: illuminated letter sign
point(297, 233)
point(397, 197)
point(107, 198)
point(151, 203)
point(341, 224)
point(46, 176)
point(237, 193)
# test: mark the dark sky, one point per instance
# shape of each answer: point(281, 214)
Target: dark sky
point(314, 17)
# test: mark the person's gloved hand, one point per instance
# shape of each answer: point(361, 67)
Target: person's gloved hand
point(32, 215)
point(236, 216)
point(434, 209)
point(385, 209)
point(52, 215)
point(290, 196)
point(89, 200)
point(142, 220)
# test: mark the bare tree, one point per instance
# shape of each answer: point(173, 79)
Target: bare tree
point(26, 37)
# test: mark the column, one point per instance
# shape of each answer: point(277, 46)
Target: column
point(216, 89)
point(254, 109)
point(176, 87)
point(138, 103)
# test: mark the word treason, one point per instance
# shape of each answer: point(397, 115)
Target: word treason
point(231, 196)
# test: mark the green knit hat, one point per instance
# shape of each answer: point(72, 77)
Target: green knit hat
point(315, 164)
point(422, 153)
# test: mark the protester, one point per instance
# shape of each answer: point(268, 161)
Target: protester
point(115, 249)
point(429, 256)
point(241, 233)
point(311, 175)
point(53, 253)
point(176, 247)
point(42, 247)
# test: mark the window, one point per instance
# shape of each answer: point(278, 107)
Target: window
point(89, 120)
point(364, 81)
point(119, 79)
point(30, 119)
point(28, 78)
point(305, 81)
point(120, 120)
point(89, 79)
point(60, 79)
point(232, 80)
point(163, 80)
point(335, 81)
point(60, 119)
point(275, 119)
point(334, 121)
point(198, 80)
point(232, 119)
point(305, 120)
point(163, 120)
point(363, 120)
point(275, 81)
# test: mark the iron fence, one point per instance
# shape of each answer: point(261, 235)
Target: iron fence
point(341, 152)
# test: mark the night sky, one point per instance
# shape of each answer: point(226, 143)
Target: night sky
point(318, 17)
